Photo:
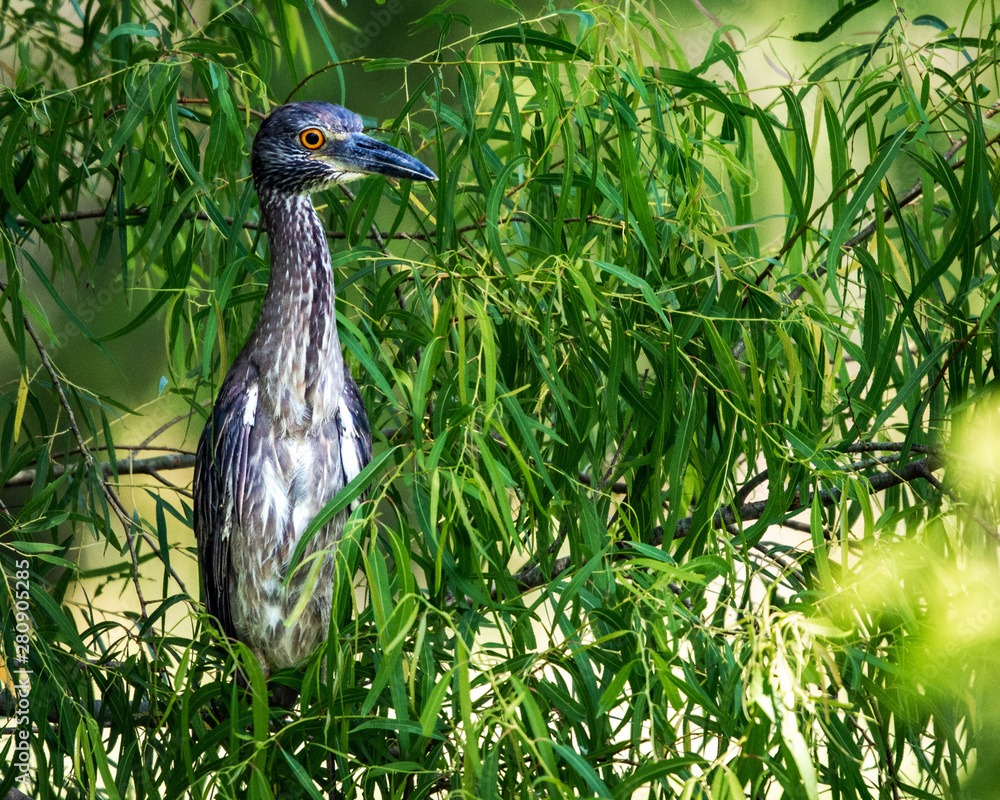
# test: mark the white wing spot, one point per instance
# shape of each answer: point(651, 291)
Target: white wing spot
point(250, 411)
point(348, 446)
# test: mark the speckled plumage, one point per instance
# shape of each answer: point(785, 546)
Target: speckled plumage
point(288, 429)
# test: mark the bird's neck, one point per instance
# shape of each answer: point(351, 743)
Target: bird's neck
point(302, 374)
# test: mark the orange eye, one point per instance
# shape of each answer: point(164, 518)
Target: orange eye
point(312, 139)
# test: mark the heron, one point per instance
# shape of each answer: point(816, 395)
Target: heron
point(288, 429)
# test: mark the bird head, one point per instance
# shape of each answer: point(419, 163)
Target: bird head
point(307, 147)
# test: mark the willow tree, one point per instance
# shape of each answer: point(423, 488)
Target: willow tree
point(681, 378)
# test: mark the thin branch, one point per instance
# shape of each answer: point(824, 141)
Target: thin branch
point(991, 530)
point(869, 230)
point(155, 474)
point(108, 492)
point(914, 193)
point(320, 71)
point(785, 565)
point(621, 442)
point(201, 216)
point(828, 497)
point(400, 297)
point(144, 445)
point(618, 487)
point(795, 525)
point(886, 749)
point(175, 459)
point(183, 101)
point(102, 714)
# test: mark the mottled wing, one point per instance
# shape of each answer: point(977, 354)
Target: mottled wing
point(220, 485)
point(355, 435)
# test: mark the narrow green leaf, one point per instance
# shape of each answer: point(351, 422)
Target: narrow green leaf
point(583, 769)
point(303, 777)
point(836, 22)
point(432, 705)
point(493, 202)
point(520, 34)
point(148, 30)
point(869, 182)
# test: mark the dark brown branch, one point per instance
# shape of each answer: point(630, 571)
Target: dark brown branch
point(621, 442)
point(532, 577)
point(828, 497)
point(618, 487)
point(780, 561)
point(131, 465)
point(858, 447)
point(795, 525)
point(320, 71)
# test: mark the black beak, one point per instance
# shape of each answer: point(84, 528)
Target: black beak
point(367, 155)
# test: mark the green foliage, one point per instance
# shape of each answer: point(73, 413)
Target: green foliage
point(653, 313)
